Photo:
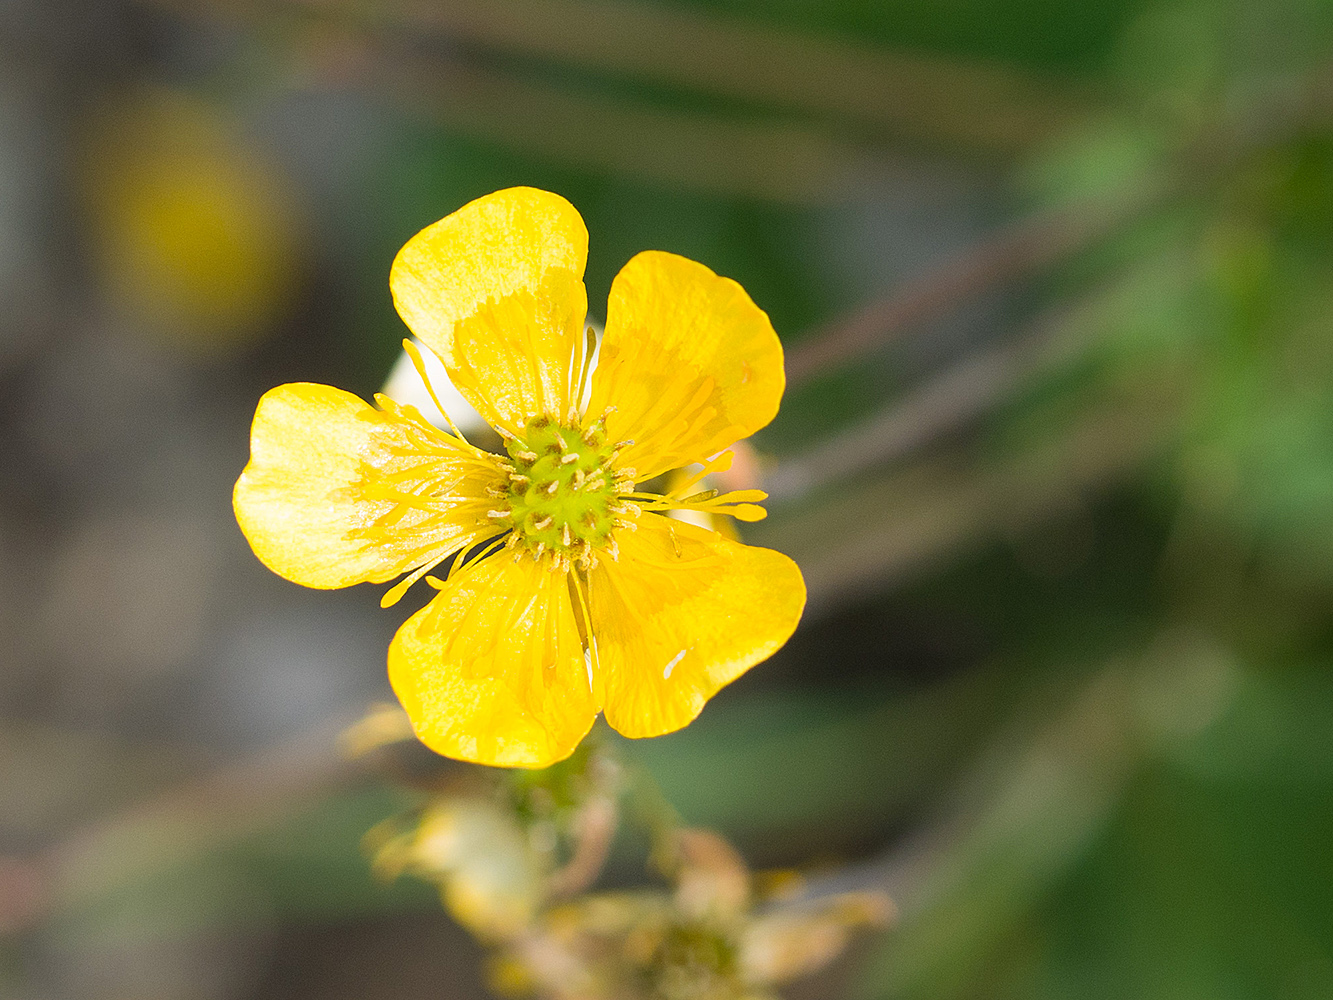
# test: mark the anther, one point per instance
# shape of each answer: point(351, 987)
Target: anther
point(496, 492)
point(613, 550)
point(565, 535)
point(519, 481)
point(573, 456)
point(578, 479)
point(526, 456)
point(542, 523)
point(497, 515)
point(552, 487)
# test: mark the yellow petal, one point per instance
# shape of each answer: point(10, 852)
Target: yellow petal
point(681, 614)
point(492, 670)
point(321, 500)
point(496, 290)
point(689, 362)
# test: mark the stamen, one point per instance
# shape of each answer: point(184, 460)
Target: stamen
point(587, 348)
point(420, 365)
point(474, 556)
point(719, 463)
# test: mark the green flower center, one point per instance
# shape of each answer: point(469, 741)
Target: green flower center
point(562, 493)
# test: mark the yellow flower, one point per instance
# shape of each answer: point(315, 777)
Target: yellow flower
point(572, 592)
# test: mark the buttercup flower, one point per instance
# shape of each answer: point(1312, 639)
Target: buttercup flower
point(572, 592)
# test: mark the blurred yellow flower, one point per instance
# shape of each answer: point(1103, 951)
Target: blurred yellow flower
point(571, 592)
point(197, 235)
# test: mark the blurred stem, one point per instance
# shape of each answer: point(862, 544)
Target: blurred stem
point(981, 381)
point(595, 829)
point(190, 822)
point(1032, 805)
point(1015, 252)
point(869, 535)
point(781, 161)
point(973, 106)
point(651, 810)
point(1028, 811)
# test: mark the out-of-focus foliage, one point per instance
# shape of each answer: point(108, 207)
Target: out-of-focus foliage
point(1181, 877)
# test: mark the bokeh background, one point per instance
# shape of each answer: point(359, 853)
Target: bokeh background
point(1055, 281)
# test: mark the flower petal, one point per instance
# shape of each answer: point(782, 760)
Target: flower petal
point(496, 290)
point(689, 362)
point(337, 492)
point(493, 670)
point(684, 612)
